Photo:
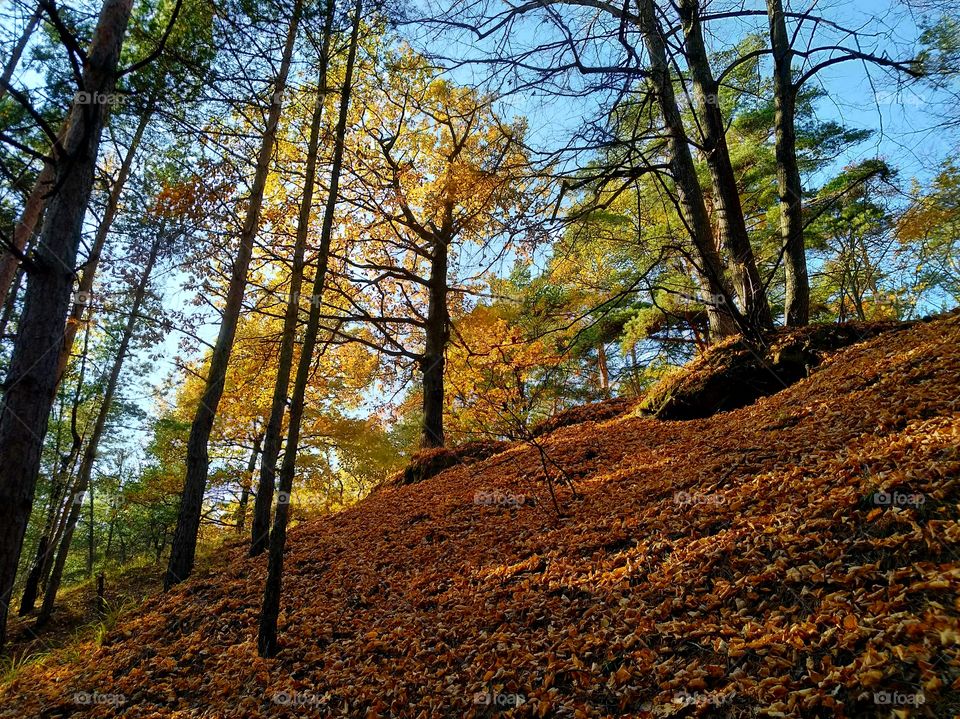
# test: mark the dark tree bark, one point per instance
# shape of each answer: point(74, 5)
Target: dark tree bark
point(91, 546)
point(788, 171)
point(267, 644)
point(85, 284)
point(32, 375)
point(11, 302)
point(93, 442)
point(27, 223)
point(33, 208)
point(17, 52)
point(60, 510)
point(247, 483)
point(437, 336)
point(29, 598)
point(58, 485)
point(693, 209)
point(730, 219)
point(260, 525)
point(184, 545)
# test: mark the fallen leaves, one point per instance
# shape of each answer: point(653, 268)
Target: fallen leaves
point(790, 593)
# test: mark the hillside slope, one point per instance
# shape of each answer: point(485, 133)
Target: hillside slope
point(739, 565)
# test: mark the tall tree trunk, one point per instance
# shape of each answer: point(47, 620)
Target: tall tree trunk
point(247, 483)
point(797, 308)
point(29, 219)
point(93, 442)
point(110, 526)
point(10, 303)
point(23, 230)
point(61, 523)
point(85, 285)
point(184, 545)
point(32, 376)
point(267, 633)
point(29, 596)
point(693, 210)
point(260, 525)
point(17, 51)
point(433, 359)
point(91, 547)
point(730, 220)
point(59, 509)
point(603, 369)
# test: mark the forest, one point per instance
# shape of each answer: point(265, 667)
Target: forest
point(322, 267)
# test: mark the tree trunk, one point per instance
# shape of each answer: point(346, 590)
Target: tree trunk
point(61, 526)
point(267, 633)
point(260, 525)
point(32, 375)
point(9, 261)
point(247, 483)
point(17, 51)
point(10, 303)
point(693, 210)
point(29, 598)
point(110, 528)
point(433, 359)
point(28, 221)
point(57, 486)
point(93, 443)
point(85, 285)
point(60, 511)
point(91, 548)
point(603, 369)
point(184, 546)
point(730, 220)
point(797, 308)
point(101, 599)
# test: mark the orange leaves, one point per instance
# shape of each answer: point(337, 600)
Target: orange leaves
point(792, 597)
point(490, 367)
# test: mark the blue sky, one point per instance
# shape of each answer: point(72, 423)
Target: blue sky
point(904, 123)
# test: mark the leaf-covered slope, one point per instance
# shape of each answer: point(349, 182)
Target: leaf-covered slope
point(734, 373)
point(730, 566)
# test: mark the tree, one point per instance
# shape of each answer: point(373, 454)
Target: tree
point(185, 536)
point(931, 224)
point(732, 226)
point(269, 612)
point(439, 173)
point(260, 526)
point(852, 234)
point(32, 376)
point(90, 453)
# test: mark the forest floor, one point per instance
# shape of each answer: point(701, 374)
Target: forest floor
point(796, 557)
point(76, 618)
